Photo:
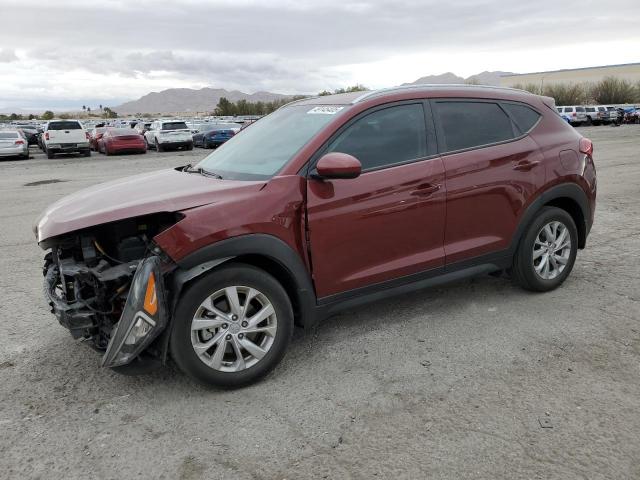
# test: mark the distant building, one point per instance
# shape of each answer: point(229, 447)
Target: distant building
point(629, 71)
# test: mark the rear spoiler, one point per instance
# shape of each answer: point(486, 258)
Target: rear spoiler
point(548, 101)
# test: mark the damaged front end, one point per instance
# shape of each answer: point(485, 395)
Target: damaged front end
point(107, 286)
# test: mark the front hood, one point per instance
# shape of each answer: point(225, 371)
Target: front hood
point(162, 191)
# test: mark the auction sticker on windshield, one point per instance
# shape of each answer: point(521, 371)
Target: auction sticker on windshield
point(325, 110)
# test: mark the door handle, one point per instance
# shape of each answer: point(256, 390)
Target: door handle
point(426, 189)
point(525, 165)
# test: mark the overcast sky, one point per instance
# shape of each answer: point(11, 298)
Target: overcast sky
point(61, 53)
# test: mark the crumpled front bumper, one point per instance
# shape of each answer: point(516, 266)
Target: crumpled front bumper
point(143, 317)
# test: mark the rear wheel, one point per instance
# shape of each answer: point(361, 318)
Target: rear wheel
point(50, 154)
point(190, 146)
point(158, 146)
point(232, 326)
point(547, 252)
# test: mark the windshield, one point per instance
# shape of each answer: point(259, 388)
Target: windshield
point(261, 151)
point(174, 126)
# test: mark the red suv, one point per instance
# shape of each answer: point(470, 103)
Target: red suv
point(326, 203)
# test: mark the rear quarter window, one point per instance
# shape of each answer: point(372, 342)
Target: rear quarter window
point(524, 117)
point(472, 124)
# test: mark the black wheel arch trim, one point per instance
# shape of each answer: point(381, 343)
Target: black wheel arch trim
point(255, 245)
point(564, 190)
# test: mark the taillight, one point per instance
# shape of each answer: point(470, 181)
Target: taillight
point(586, 146)
point(19, 142)
point(46, 136)
point(575, 114)
point(87, 135)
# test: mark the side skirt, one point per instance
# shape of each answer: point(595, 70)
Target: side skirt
point(485, 264)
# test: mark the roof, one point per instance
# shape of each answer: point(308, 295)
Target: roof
point(352, 98)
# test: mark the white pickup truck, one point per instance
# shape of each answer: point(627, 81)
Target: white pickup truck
point(65, 136)
point(165, 134)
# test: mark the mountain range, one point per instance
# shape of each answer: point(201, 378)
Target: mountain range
point(184, 100)
point(190, 100)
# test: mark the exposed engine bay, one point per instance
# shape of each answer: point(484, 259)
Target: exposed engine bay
point(89, 275)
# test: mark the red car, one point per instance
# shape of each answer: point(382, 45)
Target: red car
point(119, 140)
point(327, 203)
point(95, 136)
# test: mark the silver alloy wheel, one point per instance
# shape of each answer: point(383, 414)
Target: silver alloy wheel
point(551, 250)
point(234, 328)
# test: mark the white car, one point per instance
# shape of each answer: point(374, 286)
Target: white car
point(13, 143)
point(597, 114)
point(576, 113)
point(65, 136)
point(164, 134)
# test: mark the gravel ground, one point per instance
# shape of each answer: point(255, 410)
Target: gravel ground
point(475, 380)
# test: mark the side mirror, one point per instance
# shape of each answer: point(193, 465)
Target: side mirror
point(338, 165)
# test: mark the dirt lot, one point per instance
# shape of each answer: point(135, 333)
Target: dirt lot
point(476, 380)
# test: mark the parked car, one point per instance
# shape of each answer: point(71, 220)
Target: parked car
point(94, 137)
point(576, 113)
point(142, 127)
point(65, 136)
point(613, 113)
point(164, 134)
point(597, 114)
point(212, 135)
point(121, 140)
point(13, 144)
point(326, 203)
point(30, 133)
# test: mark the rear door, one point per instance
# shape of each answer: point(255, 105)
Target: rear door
point(492, 168)
point(388, 222)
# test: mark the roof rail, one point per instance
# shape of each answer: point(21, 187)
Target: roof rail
point(373, 93)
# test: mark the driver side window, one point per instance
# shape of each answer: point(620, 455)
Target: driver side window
point(385, 137)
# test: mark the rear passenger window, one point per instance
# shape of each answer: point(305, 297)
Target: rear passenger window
point(473, 124)
point(524, 116)
point(568, 109)
point(385, 137)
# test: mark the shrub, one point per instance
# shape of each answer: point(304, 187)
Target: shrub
point(567, 93)
point(612, 90)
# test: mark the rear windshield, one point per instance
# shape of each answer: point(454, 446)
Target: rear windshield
point(64, 126)
point(579, 109)
point(119, 132)
point(174, 126)
point(5, 135)
point(591, 109)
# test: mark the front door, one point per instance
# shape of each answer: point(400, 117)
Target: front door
point(388, 222)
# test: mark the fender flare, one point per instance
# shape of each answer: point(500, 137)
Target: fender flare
point(564, 190)
point(263, 245)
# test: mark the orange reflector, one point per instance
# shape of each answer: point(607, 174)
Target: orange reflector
point(150, 298)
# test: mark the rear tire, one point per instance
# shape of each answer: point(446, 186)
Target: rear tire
point(50, 155)
point(236, 365)
point(540, 264)
point(190, 146)
point(158, 146)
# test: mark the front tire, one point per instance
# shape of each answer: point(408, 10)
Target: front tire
point(547, 251)
point(231, 327)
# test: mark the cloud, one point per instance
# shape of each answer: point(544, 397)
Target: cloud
point(128, 47)
point(8, 56)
